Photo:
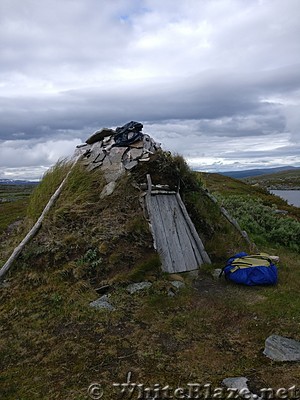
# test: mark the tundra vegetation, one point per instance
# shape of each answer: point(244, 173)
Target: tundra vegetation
point(289, 179)
point(53, 345)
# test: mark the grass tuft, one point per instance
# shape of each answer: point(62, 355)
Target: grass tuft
point(46, 188)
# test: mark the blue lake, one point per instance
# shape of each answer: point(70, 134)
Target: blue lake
point(292, 196)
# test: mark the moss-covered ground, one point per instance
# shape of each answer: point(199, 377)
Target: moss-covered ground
point(53, 345)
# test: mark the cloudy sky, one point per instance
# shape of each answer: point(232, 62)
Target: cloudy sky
point(217, 81)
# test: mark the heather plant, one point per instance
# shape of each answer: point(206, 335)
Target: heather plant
point(263, 223)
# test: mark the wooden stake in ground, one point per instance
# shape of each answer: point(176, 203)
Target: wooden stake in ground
point(35, 227)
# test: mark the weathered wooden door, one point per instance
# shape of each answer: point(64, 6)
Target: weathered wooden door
point(175, 236)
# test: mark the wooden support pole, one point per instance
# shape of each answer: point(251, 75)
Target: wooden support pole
point(35, 227)
point(236, 225)
point(232, 221)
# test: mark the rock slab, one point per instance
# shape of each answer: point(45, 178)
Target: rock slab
point(280, 348)
point(108, 189)
point(216, 273)
point(99, 135)
point(102, 303)
point(240, 383)
point(136, 287)
point(178, 284)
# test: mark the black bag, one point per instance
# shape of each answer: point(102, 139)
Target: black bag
point(128, 134)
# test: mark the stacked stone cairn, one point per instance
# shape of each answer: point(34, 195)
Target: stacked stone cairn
point(102, 150)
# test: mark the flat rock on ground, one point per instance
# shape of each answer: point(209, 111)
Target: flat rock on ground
point(240, 383)
point(280, 348)
point(136, 287)
point(216, 273)
point(102, 303)
point(178, 284)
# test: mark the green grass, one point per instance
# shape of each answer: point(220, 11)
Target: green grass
point(208, 331)
point(48, 185)
point(12, 212)
point(66, 345)
point(15, 192)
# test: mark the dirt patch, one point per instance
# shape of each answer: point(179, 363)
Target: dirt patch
point(169, 344)
point(218, 288)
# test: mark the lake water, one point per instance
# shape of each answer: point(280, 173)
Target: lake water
point(292, 196)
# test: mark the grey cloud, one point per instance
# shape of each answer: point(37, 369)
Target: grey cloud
point(202, 76)
point(18, 153)
point(205, 100)
point(58, 34)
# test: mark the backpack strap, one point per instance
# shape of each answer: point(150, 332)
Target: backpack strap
point(248, 261)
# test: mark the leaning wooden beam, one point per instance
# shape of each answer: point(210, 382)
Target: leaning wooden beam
point(232, 220)
point(236, 225)
point(35, 227)
point(210, 196)
point(200, 245)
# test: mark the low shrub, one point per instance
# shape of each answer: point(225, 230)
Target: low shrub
point(262, 223)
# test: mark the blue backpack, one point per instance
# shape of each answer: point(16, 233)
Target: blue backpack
point(251, 270)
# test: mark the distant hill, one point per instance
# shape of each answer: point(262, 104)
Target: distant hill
point(256, 172)
point(289, 179)
point(17, 182)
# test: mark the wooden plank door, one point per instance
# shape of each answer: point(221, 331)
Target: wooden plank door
point(174, 239)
